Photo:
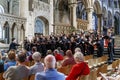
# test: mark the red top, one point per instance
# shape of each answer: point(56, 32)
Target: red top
point(68, 61)
point(78, 70)
point(58, 57)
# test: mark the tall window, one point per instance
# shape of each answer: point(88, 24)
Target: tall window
point(39, 26)
point(0, 32)
point(115, 4)
point(80, 11)
point(1, 9)
point(110, 3)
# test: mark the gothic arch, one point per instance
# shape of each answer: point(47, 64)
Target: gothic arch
point(62, 12)
point(97, 7)
point(1, 9)
point(116, 23)
point(6, 32)
point(22, 32)
point(41, 25)
point(81, 11)
point(109, 19)
point(14, 31)
point(104, 12)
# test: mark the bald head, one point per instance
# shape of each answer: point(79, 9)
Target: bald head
point(50, 61)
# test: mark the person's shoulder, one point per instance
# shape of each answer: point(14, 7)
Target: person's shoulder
point(40, 73)
point(12, 68)
point(61, 74)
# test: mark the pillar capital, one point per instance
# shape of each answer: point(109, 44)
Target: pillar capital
point(72, 3)
point(99, 15)
point(90, 9)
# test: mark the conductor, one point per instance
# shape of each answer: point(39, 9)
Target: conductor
point(13, 44)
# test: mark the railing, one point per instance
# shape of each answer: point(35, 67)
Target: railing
point(82, 24)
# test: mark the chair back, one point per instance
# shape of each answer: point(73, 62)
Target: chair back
point(32, 77)
point(1, 76)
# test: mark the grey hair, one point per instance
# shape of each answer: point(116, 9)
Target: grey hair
point(36, 56)
point(79, 56)
point(50, 61)
point(77, 50)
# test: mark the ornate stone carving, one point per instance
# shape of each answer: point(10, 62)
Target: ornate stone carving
point(82, 24)
point(11, 18)
point(39, 5)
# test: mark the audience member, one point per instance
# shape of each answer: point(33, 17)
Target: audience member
point(77, 50)
point(13, 44)
point(49, 52)
point(34, 49)
point(69, 60)
point(1, 64)
point(57, 55)
point(60, 51)
point(79, 69)
point(11, 59)
point(18, 72)
point(38, 66)
point(50, 72)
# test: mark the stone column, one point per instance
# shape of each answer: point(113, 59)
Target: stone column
point(11, 8)
point(89, 17)
point(19, 34)
point(10, 32)
point(73, 13)
point(51, 17)
point(24, 8)
point(99, 16)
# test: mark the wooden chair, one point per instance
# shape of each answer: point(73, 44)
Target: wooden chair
point(93, 74)
point(32, 77)
point(84, 77)
point(27, 63)
point(91, 63)
point(114, 64)
point(102, 69)
point(88, 57)
point(65, 69)
point(26, 78)
point(1, 76)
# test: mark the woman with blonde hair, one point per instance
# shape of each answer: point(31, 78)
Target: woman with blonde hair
point(11, 59)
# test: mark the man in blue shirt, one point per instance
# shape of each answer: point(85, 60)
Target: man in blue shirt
point(50, 72)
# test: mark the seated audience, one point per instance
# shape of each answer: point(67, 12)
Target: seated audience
point(60, 51)
point(77, 50)
point(38, 66)
point(11, 59)
point(34, 49)
point(79, 69)
point(1, 64)
point(50, 73)
point(69, 60)
point(57, 55)
point(49, 52)
point(18, 72)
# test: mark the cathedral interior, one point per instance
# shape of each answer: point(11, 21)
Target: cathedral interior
point(25, 18)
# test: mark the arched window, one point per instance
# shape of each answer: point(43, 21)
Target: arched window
point(1, 32)
point(1, 9)
point(94, 19)
point(80, 11)
point(39, 26)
